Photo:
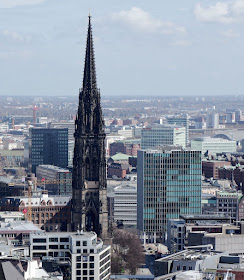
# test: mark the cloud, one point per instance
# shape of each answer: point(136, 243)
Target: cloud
point(215, 13)
point(12, 36)
point(14, 3)
point(181, 43)
point(220, 12)
point(230, 34)
point(141, 21)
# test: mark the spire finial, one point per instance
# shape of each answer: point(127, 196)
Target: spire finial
point(89, 12)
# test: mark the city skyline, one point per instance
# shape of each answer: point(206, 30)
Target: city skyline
point(158, 48)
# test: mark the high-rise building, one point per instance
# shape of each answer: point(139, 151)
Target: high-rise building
point(89, 203)
point(182, 121)
point(154, 136)
point(213, 120)
point(48, 146)
point(168, 184)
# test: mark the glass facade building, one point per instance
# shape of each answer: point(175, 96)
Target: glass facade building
point(155, 136)
point(48, 146)
point(168, 184)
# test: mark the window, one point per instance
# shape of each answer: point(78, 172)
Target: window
point(39, 240)
point(78, 251)
point(85, 251)
point(39, 247)
point(92, 251)
point(78, 265)
point(78, 272)
point(84, 272)
point(91, 258)
point(91, 265)
point(64, 239)
point(84, 265)
point(84, 243)
point(53, 246)
point(85, 258)
point(91, 272)
point(78, 278)
point(78, 258)
point(53, 239)
point(91, 278)
point(77, 243)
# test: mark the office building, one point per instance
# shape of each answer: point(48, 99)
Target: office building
point(58, 180)
point(89, 185)
point(125, 204)
point(181, 121)
point(213, 145)
point(155, 136)
point(48, 146)
point(86, 254)
point(213, 120)
point(227, 203)
point(168, 184)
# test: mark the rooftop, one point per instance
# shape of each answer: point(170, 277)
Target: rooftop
point(54, 168)
point(21, 226)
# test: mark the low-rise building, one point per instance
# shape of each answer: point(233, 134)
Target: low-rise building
point(213, 145)
point(227, 203)
point(88, 257)
point(210, 168)
point(51, 213)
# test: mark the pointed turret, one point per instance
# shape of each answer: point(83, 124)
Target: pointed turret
point(89, 80)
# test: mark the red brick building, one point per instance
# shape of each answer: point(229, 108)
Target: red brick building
point(210, 168)
point(124, 148)
point(51, 213)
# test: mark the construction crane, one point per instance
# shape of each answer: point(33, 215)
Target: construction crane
point(31, 181)
point(32, 188)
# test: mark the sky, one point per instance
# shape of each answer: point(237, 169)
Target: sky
point(156, 47)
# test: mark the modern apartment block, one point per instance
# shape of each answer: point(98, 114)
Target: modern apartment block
point(48, 146)
point(155, 136)
point(88, 257)
point(168, 184)
point(60, 179)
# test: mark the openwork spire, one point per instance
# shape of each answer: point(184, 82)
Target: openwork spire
point(89, 80)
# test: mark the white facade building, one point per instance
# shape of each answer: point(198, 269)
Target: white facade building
point(125, 204)
point(88, 256)
point(154, 136)
point(213, 145)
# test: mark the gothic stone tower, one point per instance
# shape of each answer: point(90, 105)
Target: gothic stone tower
point(89, 202)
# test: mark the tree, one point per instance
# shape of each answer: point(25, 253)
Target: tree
point(127, 252)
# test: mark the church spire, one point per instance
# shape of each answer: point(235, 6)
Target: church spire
point(89, 80)
point(89, 186)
